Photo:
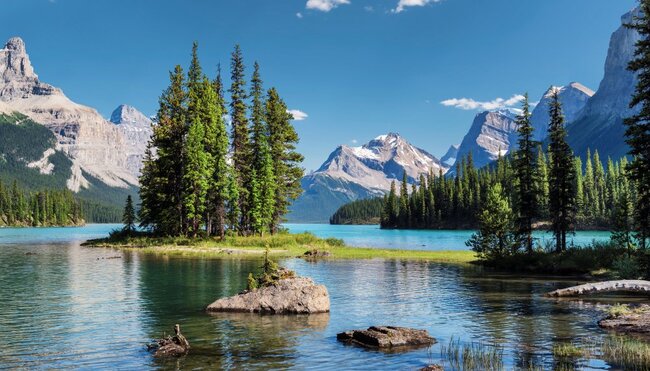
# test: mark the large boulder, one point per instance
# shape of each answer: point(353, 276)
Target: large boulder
point(387, 337)
point(295, 295)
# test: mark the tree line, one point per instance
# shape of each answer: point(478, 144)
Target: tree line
point(19, 207)
point(364, 211)
point(531, 188)
point(197, 177)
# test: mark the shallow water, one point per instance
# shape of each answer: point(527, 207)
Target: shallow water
point(69, 306)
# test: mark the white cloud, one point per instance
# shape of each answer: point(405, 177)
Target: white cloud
point(354, 141)
point(299, 15)
point(298, 115)
point(471, 104)
point(402, 4)
point(369, 8)
point(325, 5)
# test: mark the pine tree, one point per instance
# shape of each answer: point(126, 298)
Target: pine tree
point(241, 151)
point(495, 237)
point(561, 177)
point(391, 208)
point(286, 160)
point(128, 217)
point(404, 213)
point(196, 177)
point(638, 126)
point(526, 175)
point(264, 201)
point(542, 183)
point(219, 192)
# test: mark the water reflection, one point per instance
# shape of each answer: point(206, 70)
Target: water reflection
point(71, 306)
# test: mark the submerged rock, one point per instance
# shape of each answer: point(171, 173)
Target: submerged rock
point(432, 368)
point(637, 321)
point(295, 295)
point(171, 346)
point(387, 337)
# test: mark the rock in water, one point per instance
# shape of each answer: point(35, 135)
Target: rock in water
point(296, 295)
point(637, 321)
point(171, 346)
point(387, 337)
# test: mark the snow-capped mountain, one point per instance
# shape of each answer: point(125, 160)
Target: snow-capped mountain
point(573, 98)
point(351, 173)
point(449, 158)
point(97, 148)
point(137, 129)
point(599, 125)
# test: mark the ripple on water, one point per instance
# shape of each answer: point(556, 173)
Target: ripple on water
point(67, 307)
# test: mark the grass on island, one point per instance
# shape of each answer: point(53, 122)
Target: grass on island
point(280, 245)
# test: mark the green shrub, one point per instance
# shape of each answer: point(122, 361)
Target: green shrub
point(334, 242)
point(626, 267)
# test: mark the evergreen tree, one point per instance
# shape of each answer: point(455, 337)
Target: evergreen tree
point(526, 175)
point(282, 140)
point(219, 192)
point(495, 237)
point(196, 177)
point(561, 177)
point(128, 217)
point(262, 163)
point(638, 126)
point(241, 151)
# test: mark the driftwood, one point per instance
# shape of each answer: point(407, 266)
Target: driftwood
point(639, 286)
point(174, 346)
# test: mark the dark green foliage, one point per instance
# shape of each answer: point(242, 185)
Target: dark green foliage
point(525, 169)
point(638, 126)
point(38, 209)
point(188, 186)
point(562, 206)
point(495, 237)
point(444, 202)
point(128, 216)
point(366, 211)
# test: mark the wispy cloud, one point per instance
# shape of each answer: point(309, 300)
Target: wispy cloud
point(325, 5)
point(403, 4)
point(299, 15)
point(471, 104)
point(297, 114)
point(354, 141)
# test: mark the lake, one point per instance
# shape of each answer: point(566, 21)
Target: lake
point(68, 306)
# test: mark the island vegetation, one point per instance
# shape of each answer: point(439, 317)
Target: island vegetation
point(359, 212)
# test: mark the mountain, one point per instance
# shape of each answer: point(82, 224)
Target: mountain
point(573, 98)
point(600, 123)
point(352, 173)
point(98, 149)
point(449, 159)
point(137, 129)
point(491, 134)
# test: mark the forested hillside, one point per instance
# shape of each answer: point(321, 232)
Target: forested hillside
point(28, 156)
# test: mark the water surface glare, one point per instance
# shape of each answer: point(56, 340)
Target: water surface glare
point(67, 306)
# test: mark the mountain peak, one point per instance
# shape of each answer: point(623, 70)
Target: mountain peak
point(15, 44)
point(125, 114)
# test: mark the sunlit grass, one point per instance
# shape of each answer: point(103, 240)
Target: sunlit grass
point(281, 245)
point(472, 356)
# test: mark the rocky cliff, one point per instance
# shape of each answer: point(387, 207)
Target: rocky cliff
point(97, 147)
point(573, 98)
point(491, 134)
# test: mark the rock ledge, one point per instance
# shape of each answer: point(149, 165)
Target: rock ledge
point(387, 337)
point(295, 295)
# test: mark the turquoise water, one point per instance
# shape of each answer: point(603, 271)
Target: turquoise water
point(67, 306)
point(373, 236)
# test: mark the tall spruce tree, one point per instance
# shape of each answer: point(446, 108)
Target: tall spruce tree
point(241, 151)
point(561, 177)
point(282, 140)
point(128, 216)
point(264, 198)
point(525, 168)
point(162, 195)
point(638, 125)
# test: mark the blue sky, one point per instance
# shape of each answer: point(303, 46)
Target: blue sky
point(357, 68)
